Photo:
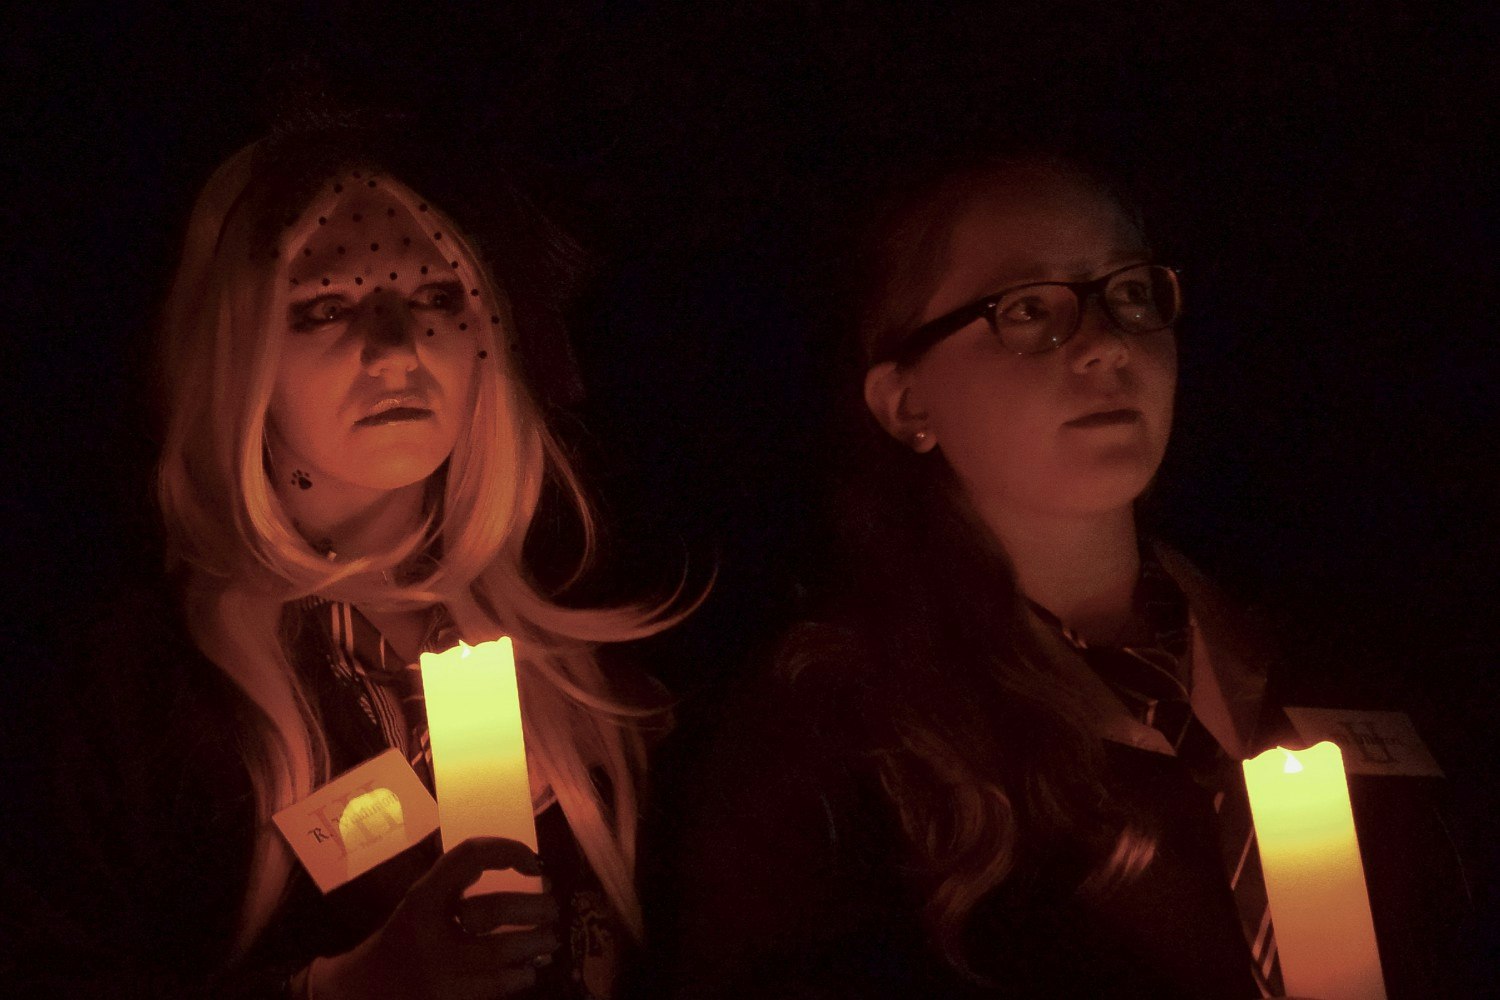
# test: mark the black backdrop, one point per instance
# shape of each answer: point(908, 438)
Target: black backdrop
point(1326, 185)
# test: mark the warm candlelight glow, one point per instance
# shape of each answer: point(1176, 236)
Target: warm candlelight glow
point(1314, 879)
point(479, 752)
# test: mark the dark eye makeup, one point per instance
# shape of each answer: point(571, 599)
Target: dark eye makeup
point(317, 312)
point(441, 296)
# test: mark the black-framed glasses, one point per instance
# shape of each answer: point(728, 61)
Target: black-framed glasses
point(1043, 315)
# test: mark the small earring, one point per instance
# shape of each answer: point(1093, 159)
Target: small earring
point(919, 441)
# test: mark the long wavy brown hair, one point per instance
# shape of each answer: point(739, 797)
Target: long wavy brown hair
point(946, 688)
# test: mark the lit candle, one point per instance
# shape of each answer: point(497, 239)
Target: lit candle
point(479, 752)
point(1315, 881)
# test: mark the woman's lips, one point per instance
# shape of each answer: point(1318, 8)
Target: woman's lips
point(396, 407)
point(1106, 418)
point(394, 415)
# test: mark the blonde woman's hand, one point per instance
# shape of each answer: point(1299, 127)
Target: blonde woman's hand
point(435, 946)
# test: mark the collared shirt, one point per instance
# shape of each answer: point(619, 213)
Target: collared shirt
point(1160, 686)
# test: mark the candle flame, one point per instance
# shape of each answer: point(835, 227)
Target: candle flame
point(1292, 765)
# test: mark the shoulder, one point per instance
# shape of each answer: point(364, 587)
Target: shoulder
point(824, 677)
point(1235, 633)
point(789, 783)
point(782, 738)
point(144, 806)
point(1234, 658)
point(133, 673)
point(782, 870)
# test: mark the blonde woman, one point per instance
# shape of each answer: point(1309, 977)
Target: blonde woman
point(352, 460)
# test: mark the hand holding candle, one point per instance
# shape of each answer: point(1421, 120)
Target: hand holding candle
point(1315, 882)
point(479, 752)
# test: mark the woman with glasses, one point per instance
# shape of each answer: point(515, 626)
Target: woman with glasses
point(1002, 765)
point(354, 451)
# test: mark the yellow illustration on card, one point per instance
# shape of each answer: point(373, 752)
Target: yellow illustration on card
point(367, 815)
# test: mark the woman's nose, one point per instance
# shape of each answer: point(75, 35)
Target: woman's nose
point(1099, 343)
point(389, 331)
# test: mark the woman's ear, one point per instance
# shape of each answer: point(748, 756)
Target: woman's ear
point(888, 394)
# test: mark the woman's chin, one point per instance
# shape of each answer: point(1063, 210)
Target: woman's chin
point(1106, 488)
point(391, 472)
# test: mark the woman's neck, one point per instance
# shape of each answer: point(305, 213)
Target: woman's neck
point(351, 520)
point(1083, 569)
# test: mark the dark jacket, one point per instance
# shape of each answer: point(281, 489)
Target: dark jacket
point(794, 879)
point(133, 859)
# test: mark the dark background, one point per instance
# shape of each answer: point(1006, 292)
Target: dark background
point(1320, 172)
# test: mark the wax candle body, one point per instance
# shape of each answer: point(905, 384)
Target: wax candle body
point(1315, 881)
point(479, 752)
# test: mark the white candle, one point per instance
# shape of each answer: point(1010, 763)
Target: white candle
point(1315, 881)
point(479, 752)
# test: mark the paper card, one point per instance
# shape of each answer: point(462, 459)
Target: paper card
point(1372, 742)
point(367, 815)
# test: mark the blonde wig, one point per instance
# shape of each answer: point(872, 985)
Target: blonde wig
point(241, 559)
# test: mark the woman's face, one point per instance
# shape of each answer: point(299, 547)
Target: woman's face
point(1078, 430)
point(376, 374)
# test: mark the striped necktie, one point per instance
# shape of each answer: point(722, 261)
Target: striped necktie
point(390, 689)
point(1152, 682)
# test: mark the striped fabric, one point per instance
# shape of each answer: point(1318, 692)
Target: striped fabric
point(1153, 683)
point(389, 690)
point(1214, 769)
point(366, 669)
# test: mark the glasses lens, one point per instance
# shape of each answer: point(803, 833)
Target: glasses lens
point(1035, 318)
point(1143, 298)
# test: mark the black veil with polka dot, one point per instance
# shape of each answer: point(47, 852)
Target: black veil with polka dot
point(534, 263)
